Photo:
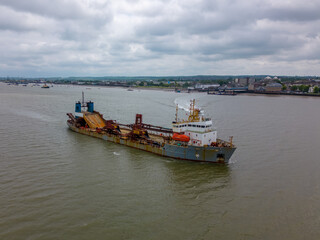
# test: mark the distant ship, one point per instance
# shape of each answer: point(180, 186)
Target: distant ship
point(45, 86)
point(192, 139)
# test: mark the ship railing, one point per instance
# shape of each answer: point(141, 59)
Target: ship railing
point(224, 143)
point(204, 131)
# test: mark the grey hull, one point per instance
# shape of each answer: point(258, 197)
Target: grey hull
point(191, 153)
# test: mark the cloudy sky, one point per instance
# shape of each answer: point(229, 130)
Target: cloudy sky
point(159, 37)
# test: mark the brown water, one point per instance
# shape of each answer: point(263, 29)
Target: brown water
point(56, 184)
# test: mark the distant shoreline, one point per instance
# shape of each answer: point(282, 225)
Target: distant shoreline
point(170, 89)
point(284, 94)
point(167, 89)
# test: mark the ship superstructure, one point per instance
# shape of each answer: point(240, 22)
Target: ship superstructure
point(192, 139)
point(197, 127)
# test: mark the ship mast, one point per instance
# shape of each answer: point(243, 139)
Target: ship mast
point(82, 98)
point(177, 112)
point(194, 112)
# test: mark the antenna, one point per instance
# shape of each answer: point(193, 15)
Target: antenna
point(82, 98)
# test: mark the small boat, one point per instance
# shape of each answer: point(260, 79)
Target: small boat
point(45, 86)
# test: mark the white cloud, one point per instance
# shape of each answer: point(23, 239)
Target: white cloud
point(158, 37)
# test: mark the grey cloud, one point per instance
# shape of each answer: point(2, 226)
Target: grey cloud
point(8, 22)
point(18, 21)
point(165, 47)
point(56, 9)
point(144, 37)
point(291, 13)
point(66, 14)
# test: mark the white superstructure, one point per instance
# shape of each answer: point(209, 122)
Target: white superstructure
point(198, 128)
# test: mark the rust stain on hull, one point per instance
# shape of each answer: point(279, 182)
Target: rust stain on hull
point(190, 153)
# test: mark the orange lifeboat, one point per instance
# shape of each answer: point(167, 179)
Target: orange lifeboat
point(180, 137)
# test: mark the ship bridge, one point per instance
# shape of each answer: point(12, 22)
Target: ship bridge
point(201, 126)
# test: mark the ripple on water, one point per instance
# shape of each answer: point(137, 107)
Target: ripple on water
point(56, 184)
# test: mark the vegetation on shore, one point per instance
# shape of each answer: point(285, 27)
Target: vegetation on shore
point(290, 84)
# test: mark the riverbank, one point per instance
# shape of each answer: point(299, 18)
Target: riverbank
point(281, 93)
point(172, 89)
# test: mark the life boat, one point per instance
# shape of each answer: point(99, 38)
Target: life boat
point(180, 137)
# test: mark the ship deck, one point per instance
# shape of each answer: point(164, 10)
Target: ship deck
point(157, 138)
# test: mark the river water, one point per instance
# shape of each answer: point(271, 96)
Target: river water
point(57, 184)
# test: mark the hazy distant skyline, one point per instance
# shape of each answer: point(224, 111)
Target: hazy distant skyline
point(42, 38)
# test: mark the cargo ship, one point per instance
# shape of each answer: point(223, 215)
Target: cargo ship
point(192, 139)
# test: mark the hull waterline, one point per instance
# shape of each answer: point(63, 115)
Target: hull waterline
point(209, 154)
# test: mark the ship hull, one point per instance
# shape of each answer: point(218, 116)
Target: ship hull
point(191, 153)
